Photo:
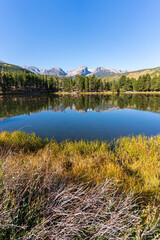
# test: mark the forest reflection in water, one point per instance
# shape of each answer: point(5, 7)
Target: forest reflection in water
point(13, 106)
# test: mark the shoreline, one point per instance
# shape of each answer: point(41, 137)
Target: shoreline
point(102, 93)
point(73, 93)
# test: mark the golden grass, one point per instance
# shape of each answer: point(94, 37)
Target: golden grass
point(48, 185)
point(133, 162)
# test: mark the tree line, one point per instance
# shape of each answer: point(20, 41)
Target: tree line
point(144, 83)
point(22, 81)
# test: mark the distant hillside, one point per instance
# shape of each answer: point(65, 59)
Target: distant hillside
point(135, 74)
point(10, 67)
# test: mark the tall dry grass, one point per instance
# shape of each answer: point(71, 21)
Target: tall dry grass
point(79, 190)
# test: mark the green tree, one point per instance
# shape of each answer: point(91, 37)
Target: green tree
point(86, 83)
point(122, 82)
point(128, 86)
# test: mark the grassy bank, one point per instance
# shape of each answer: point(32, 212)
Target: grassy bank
point(79, 190)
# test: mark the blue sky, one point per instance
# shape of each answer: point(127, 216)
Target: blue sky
point(121, 34)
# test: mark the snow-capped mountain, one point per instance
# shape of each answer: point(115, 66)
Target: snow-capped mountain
point(83, 70)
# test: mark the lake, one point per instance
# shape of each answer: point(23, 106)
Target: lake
point(89, 117)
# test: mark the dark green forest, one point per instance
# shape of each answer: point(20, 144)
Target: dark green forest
point(28, 82)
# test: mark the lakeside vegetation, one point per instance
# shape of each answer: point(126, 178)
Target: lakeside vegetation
point(29, 82)
point(79, 190)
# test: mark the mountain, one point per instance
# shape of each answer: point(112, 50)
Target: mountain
point(80, 71)
point(102, 71)
point(10, 67)
point(83, 70)
point(34, 69)
point(52, 71)
point(55, 72)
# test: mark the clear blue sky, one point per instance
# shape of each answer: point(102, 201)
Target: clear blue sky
point(121, 34)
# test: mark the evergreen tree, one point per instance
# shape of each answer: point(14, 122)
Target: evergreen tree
point(86, 83)
point(114, 86)
point(107, 86)
point(122, 82)
point(128, 85)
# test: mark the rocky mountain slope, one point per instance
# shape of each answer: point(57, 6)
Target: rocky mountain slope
point(102, 71)
point(83, 70)
point(55, 71)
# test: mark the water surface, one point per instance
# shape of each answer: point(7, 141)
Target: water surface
point(102, 117)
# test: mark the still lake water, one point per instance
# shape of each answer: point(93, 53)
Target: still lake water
point(85, 117)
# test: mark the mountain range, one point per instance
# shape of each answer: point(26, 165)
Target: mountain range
point(83, 70)
point(107, 73)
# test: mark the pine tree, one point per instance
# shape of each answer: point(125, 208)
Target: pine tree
point(86, 83)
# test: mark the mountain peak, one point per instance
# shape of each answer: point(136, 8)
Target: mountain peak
point(55, 71)
point(83, 70)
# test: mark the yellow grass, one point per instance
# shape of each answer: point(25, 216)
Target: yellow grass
point(133, 162)
point(74, 190)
